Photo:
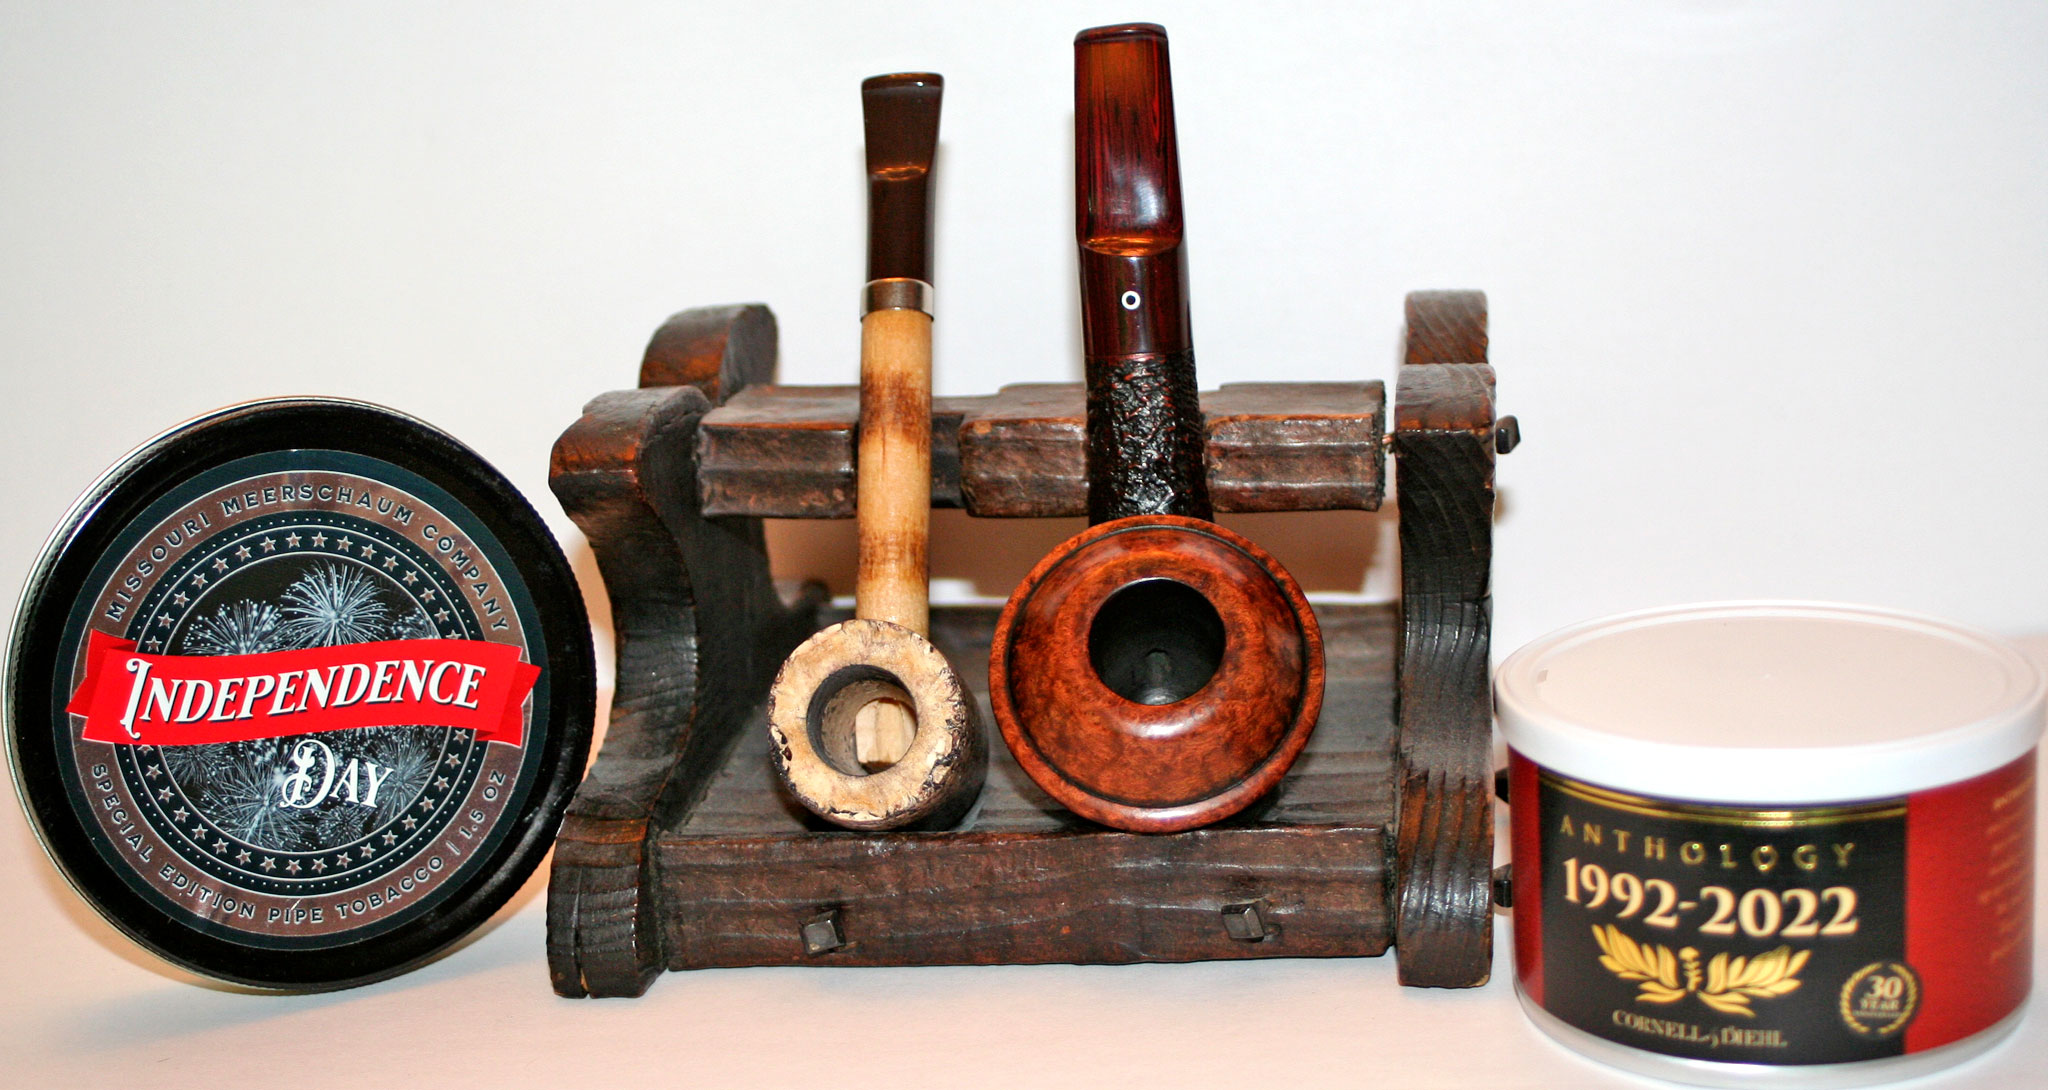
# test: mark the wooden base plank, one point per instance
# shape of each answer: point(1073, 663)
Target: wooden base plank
point(1302, 874)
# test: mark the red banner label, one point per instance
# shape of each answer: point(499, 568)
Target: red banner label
point(180, 700)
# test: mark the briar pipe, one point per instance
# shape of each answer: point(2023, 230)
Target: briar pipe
point(871, 726)
point(1155, 672)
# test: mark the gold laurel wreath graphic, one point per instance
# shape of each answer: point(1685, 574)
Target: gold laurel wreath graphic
point(1727, 985)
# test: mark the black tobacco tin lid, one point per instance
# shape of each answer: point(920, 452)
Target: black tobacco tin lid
point(298, 693)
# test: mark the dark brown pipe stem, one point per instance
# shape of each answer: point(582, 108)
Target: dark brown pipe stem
point(901, 113)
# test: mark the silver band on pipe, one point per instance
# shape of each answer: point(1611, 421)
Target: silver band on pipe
point(896, 293)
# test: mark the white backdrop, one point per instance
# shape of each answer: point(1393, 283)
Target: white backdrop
point(1769, 282)
point(1770, 296)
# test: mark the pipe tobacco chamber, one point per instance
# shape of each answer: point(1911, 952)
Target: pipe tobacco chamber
point(1155, 672)
point(871, 726)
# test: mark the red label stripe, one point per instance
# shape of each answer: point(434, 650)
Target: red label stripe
point(181, 700)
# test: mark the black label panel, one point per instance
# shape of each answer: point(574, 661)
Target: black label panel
point(1736, 935)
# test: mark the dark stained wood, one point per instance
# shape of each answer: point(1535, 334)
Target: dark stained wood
point(1025, 881)
point(699, 632)
point(787, 452)
point(1304, 446)
point(719, 350)
point(1444, 455)
point(681, 852)
point(1082, 675)
point(1344, 776)
point(948, 414)
point(1024, 452)
point(792, 443)
point(1013, 899)
point(1444, 327)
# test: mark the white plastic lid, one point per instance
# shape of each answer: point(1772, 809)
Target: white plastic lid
point(1770, 702)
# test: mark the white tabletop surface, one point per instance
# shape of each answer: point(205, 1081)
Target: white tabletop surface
point(83, 1007)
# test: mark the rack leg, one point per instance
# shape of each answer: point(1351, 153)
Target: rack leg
point(1444, 453)
point(700, 631)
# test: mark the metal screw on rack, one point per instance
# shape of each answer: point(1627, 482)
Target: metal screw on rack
point(1507, 434)
point(821, 933)
point(1245, 923)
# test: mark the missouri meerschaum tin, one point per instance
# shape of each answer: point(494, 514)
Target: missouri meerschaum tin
point(297, 693)
point(1775, 844)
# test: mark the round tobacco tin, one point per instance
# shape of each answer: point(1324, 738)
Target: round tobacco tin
point(298, 693)
point(1772, 843)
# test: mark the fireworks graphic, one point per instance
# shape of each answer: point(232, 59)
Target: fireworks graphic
point(340, 824)
point(410, 754)
point(414, 626)
point(240, 785)
point(243, 628)
point(333, 605)
point(247, 801)
point(193, 768)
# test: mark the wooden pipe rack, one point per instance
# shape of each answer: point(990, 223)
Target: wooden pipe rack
point(680, 850)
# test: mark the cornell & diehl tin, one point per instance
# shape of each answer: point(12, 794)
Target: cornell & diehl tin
point(297, 693)
point(1772, 844)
